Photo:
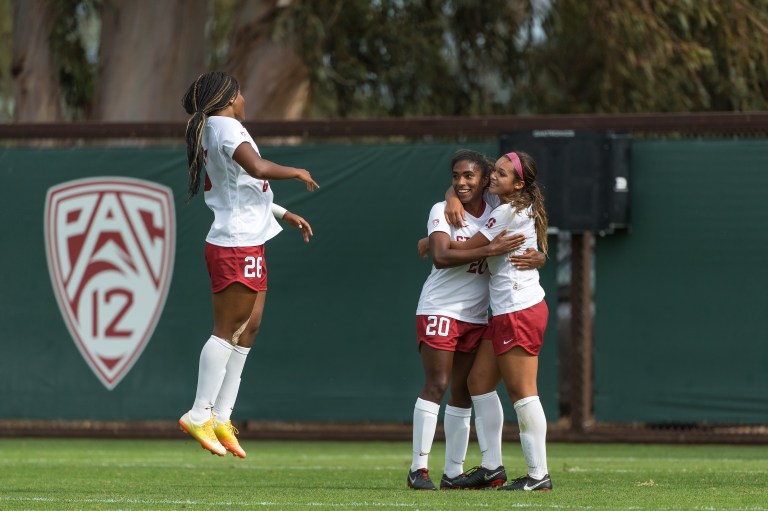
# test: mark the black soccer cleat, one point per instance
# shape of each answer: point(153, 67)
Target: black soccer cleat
point(452, 483)
point(528, 483)
point(419, 480)
point(477, 478)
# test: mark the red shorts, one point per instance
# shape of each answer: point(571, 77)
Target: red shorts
point(444, 333)
point(524, 328)
point(227, 265)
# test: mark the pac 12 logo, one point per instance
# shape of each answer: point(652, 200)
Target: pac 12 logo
point(110, 245)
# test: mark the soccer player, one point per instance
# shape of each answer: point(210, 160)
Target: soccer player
point(237, 191)
point(451, 317)
point(519, 317)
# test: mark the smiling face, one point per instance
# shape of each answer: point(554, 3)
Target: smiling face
point(504, 178)
point(468, 181)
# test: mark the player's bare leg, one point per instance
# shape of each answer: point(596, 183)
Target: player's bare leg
point(231, 308)
point(437, 365)
point(457, 419)
point(519, 370)
point(242, 339)
point(489, 420)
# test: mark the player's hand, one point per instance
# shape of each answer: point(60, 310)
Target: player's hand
point(454, 212)
point(299, 223)
point(528, 260)
point(423, 247)
point(503, 244)
point(307, 178)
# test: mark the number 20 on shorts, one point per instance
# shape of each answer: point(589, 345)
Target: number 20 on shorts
point(438, 325)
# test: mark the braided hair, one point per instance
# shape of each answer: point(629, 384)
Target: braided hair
point(530, 196)
point(211, 92)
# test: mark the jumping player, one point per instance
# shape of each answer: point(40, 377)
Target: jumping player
point(237, 191)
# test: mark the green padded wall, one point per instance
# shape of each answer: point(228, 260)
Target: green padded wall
point(681, 328)
point(338, 338)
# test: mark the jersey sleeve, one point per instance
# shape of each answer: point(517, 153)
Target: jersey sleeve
point(437, 221)
point(497, 222)
point(232, 135)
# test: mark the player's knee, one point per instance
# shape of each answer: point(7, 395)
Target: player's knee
point(248, 335)
point(480, 384)
point(460, 398)
point(252, 329)
point(518, 391)
point(434, 389)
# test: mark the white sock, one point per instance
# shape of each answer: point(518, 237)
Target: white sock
point(213, 366)
point(225, 401)
point(456, 424)
point(533, 435)
point(489, 421)
point(424, 425)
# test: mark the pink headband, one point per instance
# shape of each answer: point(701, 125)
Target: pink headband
point(516, 163)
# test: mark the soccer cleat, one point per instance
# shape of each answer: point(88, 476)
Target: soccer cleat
point(452, 483)
point(226, 432)
point(419, 480)
point(528, 483)
point(478, 478)
point(203, 433)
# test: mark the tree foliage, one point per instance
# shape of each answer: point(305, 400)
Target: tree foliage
point(76, 72)
point(640, 56)
point(395, 58)
point(6, 41)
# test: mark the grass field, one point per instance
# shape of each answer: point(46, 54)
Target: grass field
point(178, 475)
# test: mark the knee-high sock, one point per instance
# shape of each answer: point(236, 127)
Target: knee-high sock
point(456, 424)
point(489, 421)
point(225, 401)
point(424, 425)
point(213, 366)
point(533, 435)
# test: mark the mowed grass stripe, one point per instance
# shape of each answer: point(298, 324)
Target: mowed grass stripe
point(171, 475)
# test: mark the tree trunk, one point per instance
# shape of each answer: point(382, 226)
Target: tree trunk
point(273, 78)
point(149, 53)
point(35, 87)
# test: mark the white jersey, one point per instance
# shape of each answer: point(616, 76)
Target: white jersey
point(241, 204)
point(461, 292)
point(512, 289)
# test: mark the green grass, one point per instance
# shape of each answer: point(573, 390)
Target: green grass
point(177, 475)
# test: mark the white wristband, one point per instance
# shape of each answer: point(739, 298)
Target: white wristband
point(278, 211)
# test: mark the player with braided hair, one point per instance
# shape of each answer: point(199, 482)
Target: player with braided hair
point(237, 191)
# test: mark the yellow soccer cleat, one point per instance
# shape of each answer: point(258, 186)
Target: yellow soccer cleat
point(203, 433)
point(226, 432)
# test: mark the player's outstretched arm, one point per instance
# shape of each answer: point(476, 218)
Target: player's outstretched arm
point(247, 157)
